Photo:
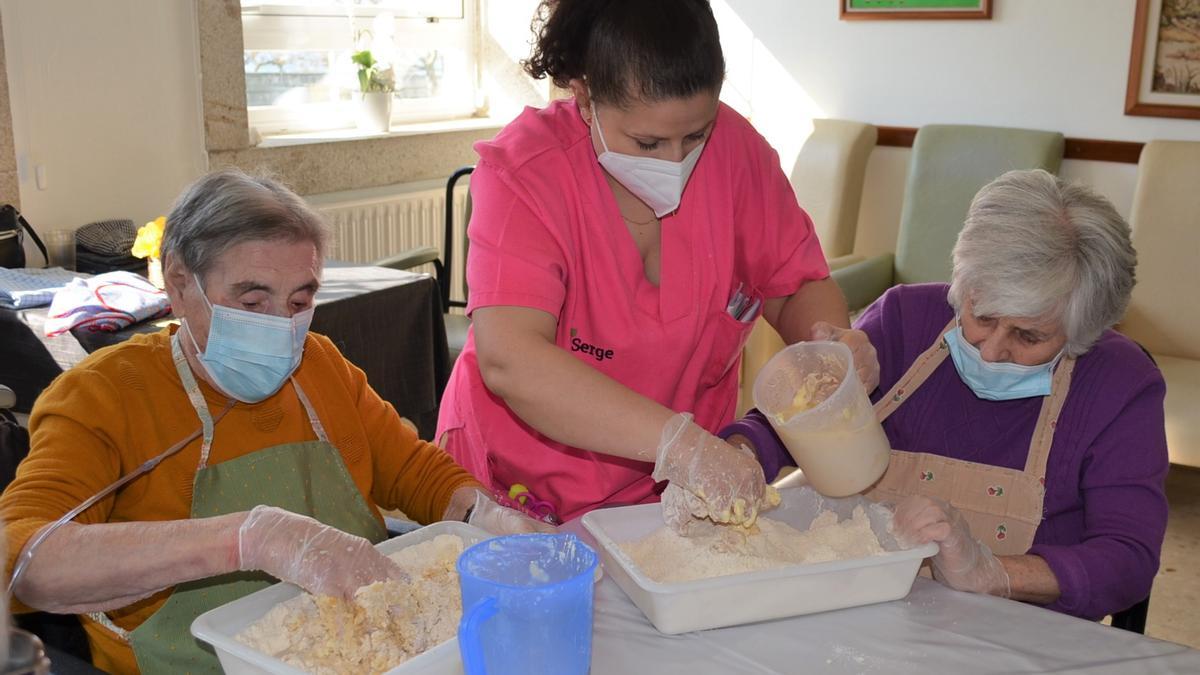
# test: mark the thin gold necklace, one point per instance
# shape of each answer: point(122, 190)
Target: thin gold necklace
point(631, 221)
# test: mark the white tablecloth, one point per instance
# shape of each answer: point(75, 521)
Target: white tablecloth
point(934, 630)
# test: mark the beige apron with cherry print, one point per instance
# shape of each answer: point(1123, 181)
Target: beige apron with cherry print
point(1003, 506)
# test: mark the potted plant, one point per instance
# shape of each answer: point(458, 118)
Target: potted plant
point(376, 82)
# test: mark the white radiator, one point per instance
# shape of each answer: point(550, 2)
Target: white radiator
point(374, 223)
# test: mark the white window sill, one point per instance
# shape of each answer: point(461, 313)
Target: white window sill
point(413, 129)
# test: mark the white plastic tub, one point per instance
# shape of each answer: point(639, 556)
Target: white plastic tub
point(757, 596)
point(218, 626)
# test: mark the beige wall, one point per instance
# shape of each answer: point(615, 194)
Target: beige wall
point(107, 96)
point(9, 194)
point(105, 102)
point(120, 107)
point(1058, 65)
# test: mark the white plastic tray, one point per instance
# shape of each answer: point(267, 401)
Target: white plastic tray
point(218, 626)
point(757, 596)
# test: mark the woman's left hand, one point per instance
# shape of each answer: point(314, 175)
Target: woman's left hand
point(963, 562)
point(865, 360)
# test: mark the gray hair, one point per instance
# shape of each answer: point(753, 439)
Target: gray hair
point(227, 208)
point(1036, 246)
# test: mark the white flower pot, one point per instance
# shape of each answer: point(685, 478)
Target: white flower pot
point(375, 112)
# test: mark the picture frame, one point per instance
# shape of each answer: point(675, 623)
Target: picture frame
point(858, 10)
point(1164, 61)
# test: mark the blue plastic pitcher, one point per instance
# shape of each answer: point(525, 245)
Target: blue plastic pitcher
point(527, 605)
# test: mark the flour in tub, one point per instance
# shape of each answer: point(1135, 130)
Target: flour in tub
point(712, 550)
point(387, 624)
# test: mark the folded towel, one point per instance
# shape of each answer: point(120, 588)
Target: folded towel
point(106, 302)
point(31, 287)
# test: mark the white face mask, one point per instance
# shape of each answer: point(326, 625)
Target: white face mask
point(657, 182)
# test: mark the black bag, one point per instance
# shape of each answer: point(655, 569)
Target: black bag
point(12, 238)
point(14, 445)
point(26, 365)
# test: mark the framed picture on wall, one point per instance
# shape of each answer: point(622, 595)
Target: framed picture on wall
point(1164, 65)
point(915, 9)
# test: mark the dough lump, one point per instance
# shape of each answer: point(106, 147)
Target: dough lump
point(388, 623)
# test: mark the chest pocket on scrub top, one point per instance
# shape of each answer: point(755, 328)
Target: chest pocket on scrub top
point(729, 336)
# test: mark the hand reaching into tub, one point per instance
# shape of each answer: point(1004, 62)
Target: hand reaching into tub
point(709, 478)
point(318, 558)
point(963, 562)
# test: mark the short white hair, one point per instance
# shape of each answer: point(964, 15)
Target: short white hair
point(1035, 246)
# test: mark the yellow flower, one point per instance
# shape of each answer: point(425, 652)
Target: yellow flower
point(149, 239)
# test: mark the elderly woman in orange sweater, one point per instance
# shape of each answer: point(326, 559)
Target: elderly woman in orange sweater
point(286, 457)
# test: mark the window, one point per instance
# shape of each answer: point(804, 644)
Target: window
point(299, 76)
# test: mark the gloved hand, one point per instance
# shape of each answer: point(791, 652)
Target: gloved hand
point(498, 519)
point(963, 562)
point(681, 509)
point(865, 360)
point(711, 478)
point(318, 558)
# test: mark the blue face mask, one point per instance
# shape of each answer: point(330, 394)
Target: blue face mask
point(997, 381)
point(250, 355)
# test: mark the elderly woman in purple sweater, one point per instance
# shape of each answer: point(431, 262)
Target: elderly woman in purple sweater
point(1028, 435)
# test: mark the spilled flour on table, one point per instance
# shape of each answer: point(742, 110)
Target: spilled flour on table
point(388, 623)
point(714, 550)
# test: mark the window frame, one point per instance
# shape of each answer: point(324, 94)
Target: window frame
point(274, 27)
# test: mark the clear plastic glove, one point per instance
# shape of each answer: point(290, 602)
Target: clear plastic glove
point(711, 478)
point(963, 562)
point(318, 558)
point(497, 519)
point(866, 362)
point(681, 508)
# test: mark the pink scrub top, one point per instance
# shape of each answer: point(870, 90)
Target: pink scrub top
point(546, 233)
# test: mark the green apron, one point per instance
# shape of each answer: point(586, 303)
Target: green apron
point(308, 478)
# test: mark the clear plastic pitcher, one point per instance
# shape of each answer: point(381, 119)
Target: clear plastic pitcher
point(811, 394)
point(527, 605)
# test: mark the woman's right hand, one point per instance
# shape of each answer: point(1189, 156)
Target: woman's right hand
point(709, 477)
point(318, 558)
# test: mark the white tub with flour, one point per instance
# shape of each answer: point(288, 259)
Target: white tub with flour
point(218, 627)
point(757, 596)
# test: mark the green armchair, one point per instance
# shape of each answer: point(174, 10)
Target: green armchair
point(949, 164)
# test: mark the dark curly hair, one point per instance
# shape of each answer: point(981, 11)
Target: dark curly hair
point(628, 50)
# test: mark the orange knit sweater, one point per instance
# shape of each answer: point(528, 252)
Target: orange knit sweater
point(126, 404)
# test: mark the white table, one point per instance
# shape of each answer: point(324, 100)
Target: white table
point(933, 630)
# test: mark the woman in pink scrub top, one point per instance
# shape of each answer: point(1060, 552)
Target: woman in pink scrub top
point(623, 243)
